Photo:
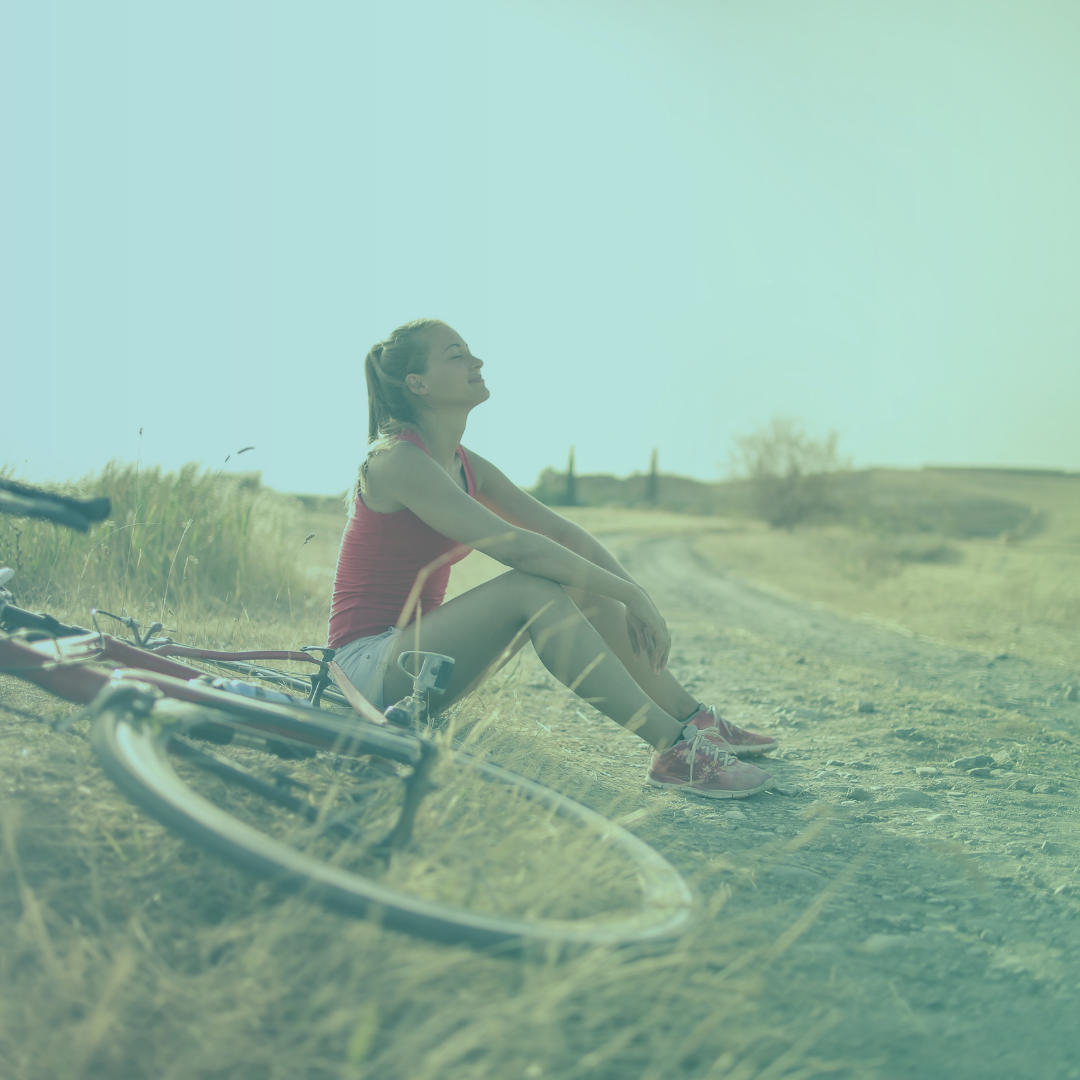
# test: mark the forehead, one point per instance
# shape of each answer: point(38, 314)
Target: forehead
point(442, 337)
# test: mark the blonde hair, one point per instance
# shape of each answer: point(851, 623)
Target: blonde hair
point(391, 404)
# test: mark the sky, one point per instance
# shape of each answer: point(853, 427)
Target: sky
point(659, 222)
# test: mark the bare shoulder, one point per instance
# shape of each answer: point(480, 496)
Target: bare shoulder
point(386, 466)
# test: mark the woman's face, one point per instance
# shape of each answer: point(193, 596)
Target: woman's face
point(453, 375)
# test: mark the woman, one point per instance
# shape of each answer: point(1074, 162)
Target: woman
point(422, 499)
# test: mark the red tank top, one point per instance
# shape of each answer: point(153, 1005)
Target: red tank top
point(379, 559)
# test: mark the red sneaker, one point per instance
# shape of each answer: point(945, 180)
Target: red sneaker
point(738, 740)
point(701, 766)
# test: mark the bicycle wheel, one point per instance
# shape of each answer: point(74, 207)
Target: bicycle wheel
point(491, 857)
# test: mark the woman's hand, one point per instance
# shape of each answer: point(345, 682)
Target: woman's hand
point(648, 630)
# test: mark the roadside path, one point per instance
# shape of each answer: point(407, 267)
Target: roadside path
point(932, 908)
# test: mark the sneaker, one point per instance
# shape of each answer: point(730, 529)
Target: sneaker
point(738, 740)
point(703, 767)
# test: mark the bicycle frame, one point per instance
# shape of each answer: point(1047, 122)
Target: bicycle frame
point(64, 667)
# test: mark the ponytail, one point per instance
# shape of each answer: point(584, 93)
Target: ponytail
point(377, 414)
point(391, 404)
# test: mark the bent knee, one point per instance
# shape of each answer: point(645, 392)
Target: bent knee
point(531, 583)
point(597, 608)
point(533, 590)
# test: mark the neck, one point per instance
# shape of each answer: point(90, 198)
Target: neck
point(441, 432)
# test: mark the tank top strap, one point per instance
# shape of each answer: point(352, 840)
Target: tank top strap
point(411, 436)
point(470, 480)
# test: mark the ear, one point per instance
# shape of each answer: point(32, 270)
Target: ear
point(415, 383)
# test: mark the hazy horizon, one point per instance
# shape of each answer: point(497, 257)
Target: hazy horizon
point(659, 225)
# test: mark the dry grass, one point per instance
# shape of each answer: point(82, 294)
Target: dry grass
point(1020, 598)
point(127, 953)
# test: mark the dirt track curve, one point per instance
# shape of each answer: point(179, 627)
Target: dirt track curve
point(934, 909)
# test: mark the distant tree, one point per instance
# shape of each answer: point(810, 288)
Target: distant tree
point(571, 482)
point(788, 470)
point(652, 487)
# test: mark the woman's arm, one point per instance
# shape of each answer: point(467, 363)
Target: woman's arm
point(501, 495)
point(407, 475)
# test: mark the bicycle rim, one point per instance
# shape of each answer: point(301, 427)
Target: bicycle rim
point(495, 860)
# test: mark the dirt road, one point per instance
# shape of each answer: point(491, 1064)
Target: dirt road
point(934, 907)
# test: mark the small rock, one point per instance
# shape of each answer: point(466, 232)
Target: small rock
point(804, 713)
point(1063, 890)
point(834, 761)
point(860, 794)
point(735, 815)
point(1048, 847)
point(1044, 788)
point(940, 819)
point(899, 921)
point(913, 892)
point(982, 773)
point(1071, 693)
point(902, 732)
point(912, 797)
point(927, 770)
point(864, 705)
point(880, 943)
point(1001, 656)
point(800, 660)
point(989, 937)
point(860, 765)
point(976, 762)
point(1017, 851)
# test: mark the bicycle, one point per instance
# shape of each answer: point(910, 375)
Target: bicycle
point(470, 852)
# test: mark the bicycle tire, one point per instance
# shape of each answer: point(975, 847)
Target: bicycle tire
point(132, 751)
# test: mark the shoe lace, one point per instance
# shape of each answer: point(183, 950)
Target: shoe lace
point(725, 727)
point(700, 744)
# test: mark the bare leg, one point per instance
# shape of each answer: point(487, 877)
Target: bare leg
point(477, 627)
point(609, 618)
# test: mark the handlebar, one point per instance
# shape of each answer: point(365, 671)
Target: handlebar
point(16, 618)
point(21, 500)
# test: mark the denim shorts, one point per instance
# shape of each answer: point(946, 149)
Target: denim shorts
point(365, 661)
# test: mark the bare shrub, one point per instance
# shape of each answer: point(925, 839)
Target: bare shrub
point(789, 471)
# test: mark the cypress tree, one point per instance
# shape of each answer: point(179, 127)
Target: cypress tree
point(571, 481)
point(652, 487)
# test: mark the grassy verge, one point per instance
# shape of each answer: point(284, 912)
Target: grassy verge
point(1022, 599)
point(190, 549)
